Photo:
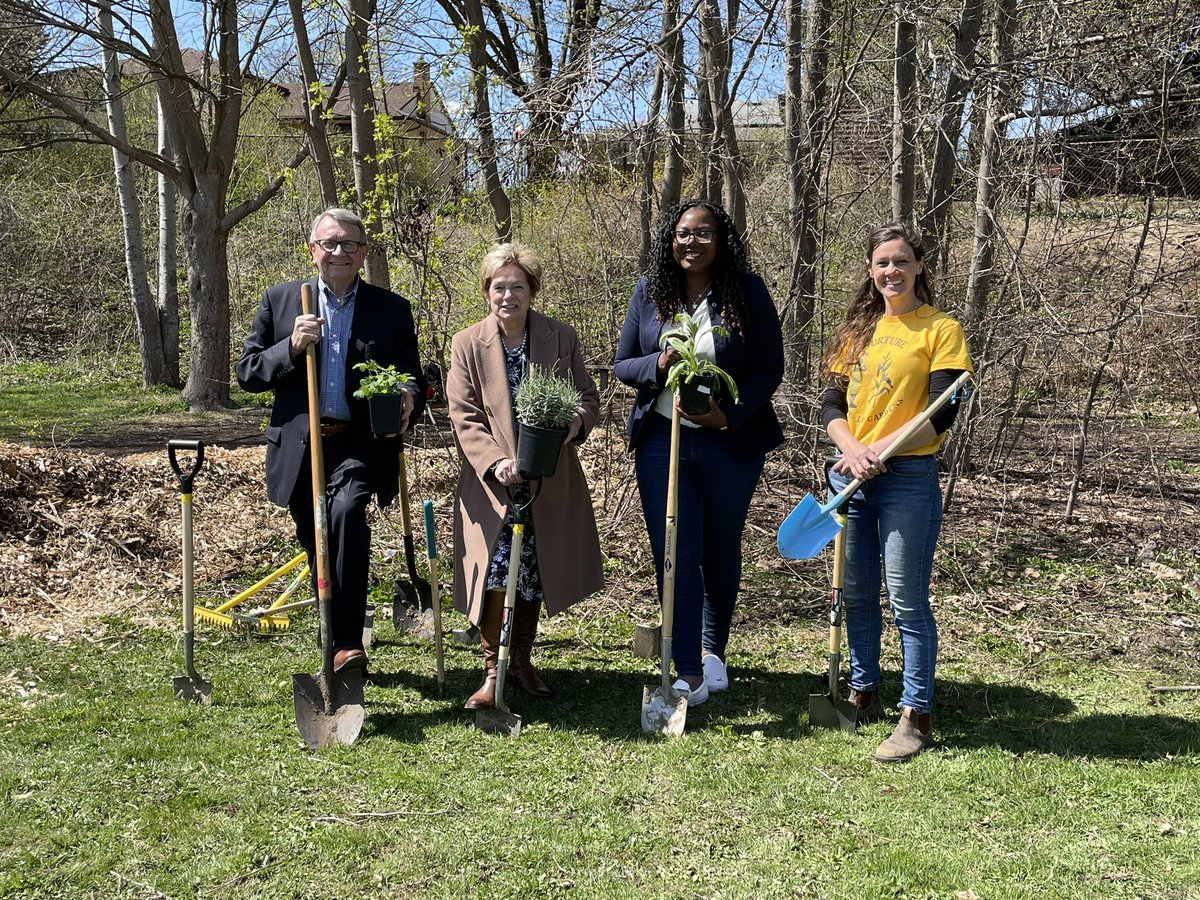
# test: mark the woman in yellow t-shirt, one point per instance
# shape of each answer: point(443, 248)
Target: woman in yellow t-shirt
point(892, 355)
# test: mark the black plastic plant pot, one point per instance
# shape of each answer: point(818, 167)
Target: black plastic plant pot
point(694, 395)
point(385, 413)
point(538, 449)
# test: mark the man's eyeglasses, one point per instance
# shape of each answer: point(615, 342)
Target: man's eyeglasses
point(702, 237)
point(347, 246)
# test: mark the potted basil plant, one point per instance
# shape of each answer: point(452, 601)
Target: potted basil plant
point(694, 379)
point(545, 405)
point(382, 388)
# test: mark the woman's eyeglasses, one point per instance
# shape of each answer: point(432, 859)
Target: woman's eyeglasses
point(705, 236)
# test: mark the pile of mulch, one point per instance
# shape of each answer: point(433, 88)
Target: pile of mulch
point(85, 536)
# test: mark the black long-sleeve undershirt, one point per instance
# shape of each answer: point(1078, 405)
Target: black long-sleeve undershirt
point(834, 404)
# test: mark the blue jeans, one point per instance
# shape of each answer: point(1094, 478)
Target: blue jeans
point(896, 517)
point(714, 498)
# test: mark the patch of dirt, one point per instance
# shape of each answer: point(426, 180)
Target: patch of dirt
point(88, 534)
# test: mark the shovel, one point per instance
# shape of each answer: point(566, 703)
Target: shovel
point(500, 720)
point(810, 526)
point(435, 591)
point(188, 686)
point(831, 710)
point(412, 597)
point(329, 705)
point(664, 710)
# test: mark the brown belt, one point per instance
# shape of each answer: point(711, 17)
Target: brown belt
point(328, 428)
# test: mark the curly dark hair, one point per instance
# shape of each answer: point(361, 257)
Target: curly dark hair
point(867, 307)
point(665, 283)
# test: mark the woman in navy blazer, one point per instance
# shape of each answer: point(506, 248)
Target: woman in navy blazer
point(698, 266)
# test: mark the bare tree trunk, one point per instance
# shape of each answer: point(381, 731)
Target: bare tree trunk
point(314, 125)
point(711, 184)
point(497, 197)
point(154, 362)
point(673, 159)
point(904, 109)
point(935, 221)
point(806, 122)
point(371, 193)
point(714, 46)
point(986, 196)
point(168, 255)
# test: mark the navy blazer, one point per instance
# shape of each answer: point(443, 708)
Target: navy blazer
point(382, 330)
point(754, 359)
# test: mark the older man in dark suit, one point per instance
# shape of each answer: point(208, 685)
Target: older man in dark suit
point(354, 322)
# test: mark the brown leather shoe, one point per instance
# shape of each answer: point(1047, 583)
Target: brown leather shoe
point(868, 705)
point(913, 735)
point(485, 697)
point(349, 658)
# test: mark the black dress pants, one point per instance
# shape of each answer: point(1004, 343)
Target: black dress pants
point(347, 496)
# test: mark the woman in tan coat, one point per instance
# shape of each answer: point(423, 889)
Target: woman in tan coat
point(560, 559)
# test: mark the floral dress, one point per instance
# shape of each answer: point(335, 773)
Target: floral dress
point(529, 580)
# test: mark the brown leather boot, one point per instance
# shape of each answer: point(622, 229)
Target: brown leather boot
point(913, 734)
point(868, 705)
point(520, 666)
point(489, 640)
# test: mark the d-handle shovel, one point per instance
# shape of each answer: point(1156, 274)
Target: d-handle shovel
point(412, 597)
point(500, 719)
point(809, 527)
point(188, 686)
point(431, 554)
point(664, 710)
point(329, 705)
point(831, 710)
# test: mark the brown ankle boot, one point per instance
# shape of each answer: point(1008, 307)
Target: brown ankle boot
point(913, 734)
point(868, 705)
point(520, 667)
point(489, 640)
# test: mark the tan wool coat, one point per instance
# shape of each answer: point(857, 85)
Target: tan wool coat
point(485, 428)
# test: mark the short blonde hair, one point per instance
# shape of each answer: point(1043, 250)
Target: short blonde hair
point(502, 255)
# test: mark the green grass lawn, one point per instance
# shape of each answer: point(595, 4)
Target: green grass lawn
point(1058, 779)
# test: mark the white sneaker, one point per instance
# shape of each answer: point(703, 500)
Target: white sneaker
point(695, 696)
point(716, 676)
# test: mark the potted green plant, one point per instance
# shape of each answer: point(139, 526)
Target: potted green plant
point(545, 405)
point(694, 379)
point(381, 387)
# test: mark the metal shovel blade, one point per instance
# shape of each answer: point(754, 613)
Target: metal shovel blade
point(193, 688)
point(807, 530)
point(341, 720)
point(368, 633)
point(412, 609)
point(823, 712)
point(664, 711)
point(498, 721)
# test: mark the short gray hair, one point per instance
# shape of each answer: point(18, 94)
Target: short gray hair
point(339, 214)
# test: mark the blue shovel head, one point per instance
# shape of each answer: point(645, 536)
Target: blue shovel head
point(807, 530)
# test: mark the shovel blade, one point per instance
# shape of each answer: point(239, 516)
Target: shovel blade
point(338, 722)
point(664, 711)
point(498, 721)
point(194, 689)
point(806, 531)
point(368, 634)
point(823, 712)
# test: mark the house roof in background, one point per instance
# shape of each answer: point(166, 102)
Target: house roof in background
point(400, 100)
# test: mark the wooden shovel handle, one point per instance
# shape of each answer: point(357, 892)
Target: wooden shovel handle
point(316, 452)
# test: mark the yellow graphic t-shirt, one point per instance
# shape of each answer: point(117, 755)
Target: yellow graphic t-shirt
point(889, 384)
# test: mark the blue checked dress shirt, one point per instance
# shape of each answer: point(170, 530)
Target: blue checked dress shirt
point(335, 344)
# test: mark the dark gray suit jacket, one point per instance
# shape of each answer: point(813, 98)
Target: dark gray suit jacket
point(382, 330)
